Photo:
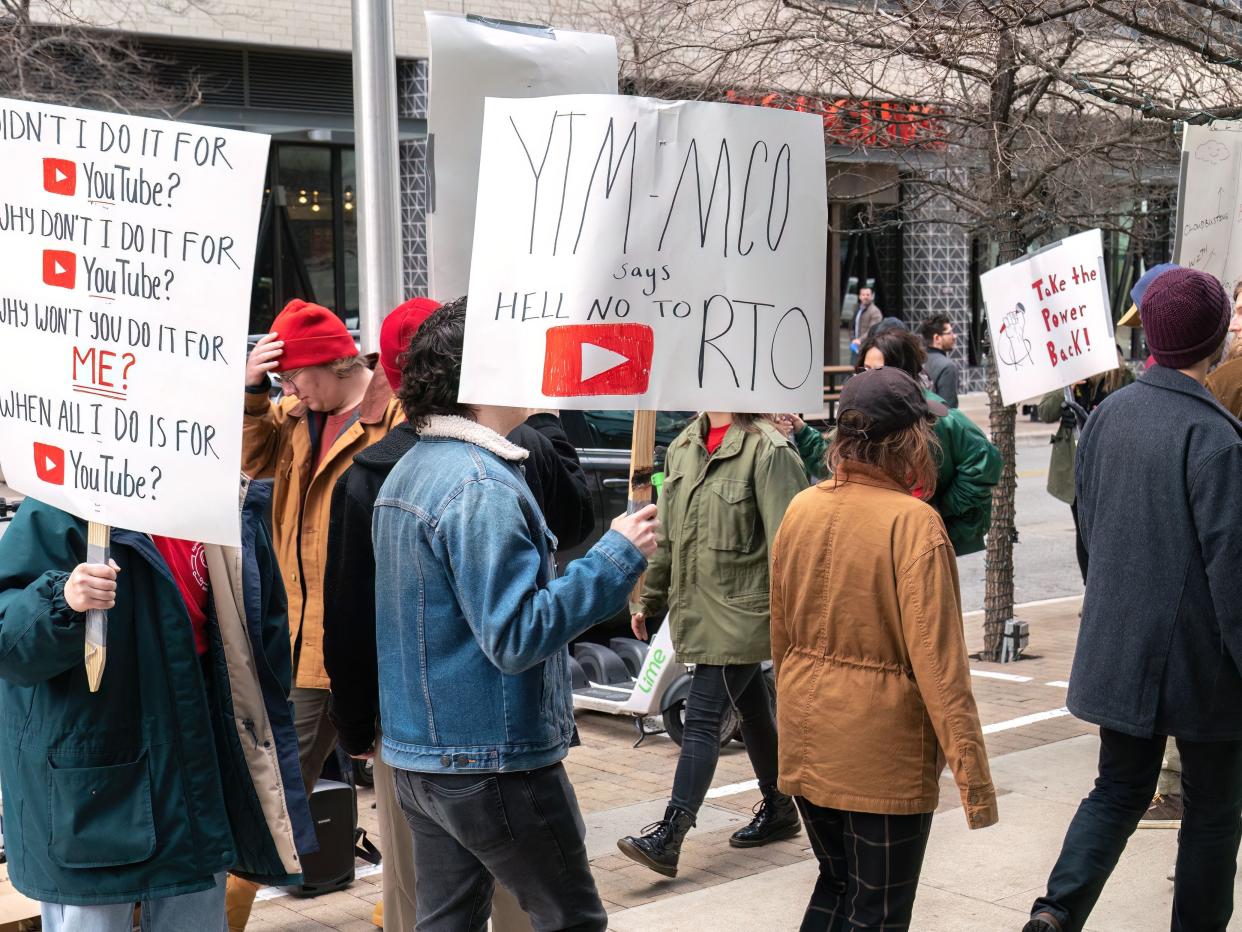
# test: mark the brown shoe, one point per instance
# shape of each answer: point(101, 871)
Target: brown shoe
point(1164, 812)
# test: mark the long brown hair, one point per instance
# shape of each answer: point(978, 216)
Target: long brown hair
point(907, 456)
point(1113, 379)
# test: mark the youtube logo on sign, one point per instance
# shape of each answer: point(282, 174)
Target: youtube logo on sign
point(597, 359)
point(49, 463)
point(60, 268)
point(60, 176)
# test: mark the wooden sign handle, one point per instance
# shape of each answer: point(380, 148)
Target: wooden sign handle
point(642, 467)
point(98, 538)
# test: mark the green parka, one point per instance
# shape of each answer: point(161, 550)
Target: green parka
point(719, 514)
point(180, 766)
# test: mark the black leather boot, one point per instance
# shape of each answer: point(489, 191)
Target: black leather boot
point(659, 846)
point(776, 817)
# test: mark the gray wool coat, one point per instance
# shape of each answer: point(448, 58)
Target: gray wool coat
point(1159, 482)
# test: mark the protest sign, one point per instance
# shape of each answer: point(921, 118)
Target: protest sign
point(1050, 319)
point(473, 58)
point(647, 254)
point(126, 260)
point(1209, 201)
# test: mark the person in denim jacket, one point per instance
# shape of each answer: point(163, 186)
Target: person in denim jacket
point(472, 629)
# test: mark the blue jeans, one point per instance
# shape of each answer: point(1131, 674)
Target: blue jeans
point(190, 912)
point(1207, 850)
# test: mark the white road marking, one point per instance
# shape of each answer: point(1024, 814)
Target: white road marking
point(1025, 720)
point(732, 789)
point(1007, 677)
point(1059, 684)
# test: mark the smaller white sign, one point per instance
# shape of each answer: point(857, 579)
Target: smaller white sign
point(1209, 201)
point(1050, 318)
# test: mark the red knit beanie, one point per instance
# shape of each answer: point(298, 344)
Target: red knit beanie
point(313, 336)
point(1185, 315)
point(398, 329)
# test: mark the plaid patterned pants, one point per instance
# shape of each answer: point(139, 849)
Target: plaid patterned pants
point(869, 869)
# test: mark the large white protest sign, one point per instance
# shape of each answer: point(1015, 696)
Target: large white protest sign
point(1050, 318)
point(473, 58)
point(647, 254)
point(1209, 202)
point(126, 260)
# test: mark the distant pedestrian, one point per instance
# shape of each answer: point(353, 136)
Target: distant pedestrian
point(873, 687)
point(968, 465)
point(1072, 406)
point(1160, 642)
point(866, 317)
point(728, 479)
point(472, 626)
point(939, 338)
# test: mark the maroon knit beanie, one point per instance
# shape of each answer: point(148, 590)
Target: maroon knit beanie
point(1185, 315)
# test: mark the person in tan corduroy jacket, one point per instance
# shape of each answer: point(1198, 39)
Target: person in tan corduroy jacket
point(333, 408)
point(872, 681)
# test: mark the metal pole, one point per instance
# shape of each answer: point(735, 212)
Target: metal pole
point(375, 146)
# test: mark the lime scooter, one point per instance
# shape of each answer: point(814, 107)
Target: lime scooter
point(644, 681)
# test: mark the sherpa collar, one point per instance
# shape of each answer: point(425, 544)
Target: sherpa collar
point(464, 429)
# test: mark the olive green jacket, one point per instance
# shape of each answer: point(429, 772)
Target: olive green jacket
point(719, 514)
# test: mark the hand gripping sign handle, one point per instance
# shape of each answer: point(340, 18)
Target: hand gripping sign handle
point(97, 541)
point(642, 466)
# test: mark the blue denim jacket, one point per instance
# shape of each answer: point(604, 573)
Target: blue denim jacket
point(471, 624)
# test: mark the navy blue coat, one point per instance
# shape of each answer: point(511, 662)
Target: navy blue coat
point(1159, 481)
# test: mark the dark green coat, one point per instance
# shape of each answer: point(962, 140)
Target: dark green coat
point(719, 515)
point(969, 468)
point(144, 789)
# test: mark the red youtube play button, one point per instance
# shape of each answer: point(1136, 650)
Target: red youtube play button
point(60, 268)
point(597, 359)
point(49, 463)
point(60, 176)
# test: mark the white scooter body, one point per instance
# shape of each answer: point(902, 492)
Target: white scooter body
point(643, 696)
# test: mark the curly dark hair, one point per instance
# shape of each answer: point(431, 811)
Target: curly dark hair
point(900, 349)
point(431, 367)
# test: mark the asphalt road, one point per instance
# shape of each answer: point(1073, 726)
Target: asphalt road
point(1045, 566)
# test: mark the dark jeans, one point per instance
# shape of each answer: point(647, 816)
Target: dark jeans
point(712, 691)
point(869, 868)
point(1207, 849)
point(1080, 546)
point(523, 829)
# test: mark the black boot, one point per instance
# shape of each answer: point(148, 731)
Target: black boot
point(776, 817)
point(659, 846)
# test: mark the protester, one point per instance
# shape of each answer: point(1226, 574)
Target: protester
point(472, 628)
point(968, 466)
point(872, 677)
point(1072, 406)
point(888, 323)
point(939, 339)
point(332, 409)
point(1161, 635)
point(560, 489)
point(728, 479)
point(866, 317)
point(184, 764)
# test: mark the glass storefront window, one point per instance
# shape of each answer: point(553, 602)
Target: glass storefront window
point(308, 233)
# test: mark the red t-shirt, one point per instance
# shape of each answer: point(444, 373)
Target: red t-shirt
point(715, 437)
point(188, 564)
point(332, 427)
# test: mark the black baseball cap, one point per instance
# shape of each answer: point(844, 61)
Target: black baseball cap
point(888, 399)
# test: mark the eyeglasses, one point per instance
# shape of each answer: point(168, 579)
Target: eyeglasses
point(286, 380)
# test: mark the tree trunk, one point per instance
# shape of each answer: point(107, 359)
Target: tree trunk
point(1002, 534)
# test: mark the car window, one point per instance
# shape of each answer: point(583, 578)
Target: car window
point(613, 430)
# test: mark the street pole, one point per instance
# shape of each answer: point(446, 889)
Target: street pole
point(375, 149)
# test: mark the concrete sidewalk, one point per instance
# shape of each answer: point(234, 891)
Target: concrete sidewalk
point(972, 881)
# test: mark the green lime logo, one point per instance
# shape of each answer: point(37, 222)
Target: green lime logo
point(652, 670)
